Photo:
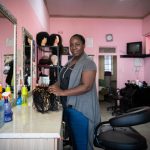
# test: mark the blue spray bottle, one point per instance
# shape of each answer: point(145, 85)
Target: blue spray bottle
point(8, 114)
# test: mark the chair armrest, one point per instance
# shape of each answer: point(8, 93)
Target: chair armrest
point(98, 126)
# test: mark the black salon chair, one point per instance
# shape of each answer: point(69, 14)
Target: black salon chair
point(118, 134)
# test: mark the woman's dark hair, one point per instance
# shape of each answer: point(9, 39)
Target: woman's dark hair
point(80, 37)
point(40, 36)
point(52, 38)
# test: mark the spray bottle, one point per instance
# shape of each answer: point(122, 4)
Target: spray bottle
point(8, 114)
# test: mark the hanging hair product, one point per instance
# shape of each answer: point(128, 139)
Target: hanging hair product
point(52, 39)
point(40, 37)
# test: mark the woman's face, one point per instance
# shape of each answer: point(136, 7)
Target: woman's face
point(76, 46)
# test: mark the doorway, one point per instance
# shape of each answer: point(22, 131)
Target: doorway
point(107, 74)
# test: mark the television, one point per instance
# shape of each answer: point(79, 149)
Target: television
point(134, 48)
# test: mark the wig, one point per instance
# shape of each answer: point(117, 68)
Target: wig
point(40, 36)
point(52, 39)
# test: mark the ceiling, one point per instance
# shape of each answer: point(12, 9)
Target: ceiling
point(98, 8)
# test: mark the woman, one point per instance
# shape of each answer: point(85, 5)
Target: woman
point(77, 89)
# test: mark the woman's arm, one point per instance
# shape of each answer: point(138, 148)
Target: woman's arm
point(87, 81)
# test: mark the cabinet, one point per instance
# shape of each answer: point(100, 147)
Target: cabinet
point(31, 130)
point(48, 64)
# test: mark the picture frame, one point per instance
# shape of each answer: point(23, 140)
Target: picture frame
point(65, 50)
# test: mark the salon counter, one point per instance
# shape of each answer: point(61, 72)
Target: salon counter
point(32, 130)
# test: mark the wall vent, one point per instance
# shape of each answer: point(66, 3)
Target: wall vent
point(107, 50)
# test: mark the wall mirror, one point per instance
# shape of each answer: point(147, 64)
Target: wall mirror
point(27, 59)
point(8, 33)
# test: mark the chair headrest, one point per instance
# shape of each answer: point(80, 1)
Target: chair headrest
point(136, 116)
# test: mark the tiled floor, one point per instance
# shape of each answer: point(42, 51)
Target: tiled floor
point(143, 129)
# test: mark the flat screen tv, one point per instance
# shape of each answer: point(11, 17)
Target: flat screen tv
point(134, 48)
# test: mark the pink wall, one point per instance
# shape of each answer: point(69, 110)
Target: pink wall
point(146, 31)
point(146, 25)
point(28, 17)
point(32, 15)
point(147, 70)
point(123, 30)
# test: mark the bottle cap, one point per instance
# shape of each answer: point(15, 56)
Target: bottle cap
point(7, 89)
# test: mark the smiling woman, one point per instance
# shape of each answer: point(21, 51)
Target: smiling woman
point(8, 26)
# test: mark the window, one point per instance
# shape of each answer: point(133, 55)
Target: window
point(108, 63)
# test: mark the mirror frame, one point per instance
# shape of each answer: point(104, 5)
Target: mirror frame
point(26, 33)
point(11, 18)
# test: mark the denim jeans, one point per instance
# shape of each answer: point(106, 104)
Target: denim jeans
point(78, 125)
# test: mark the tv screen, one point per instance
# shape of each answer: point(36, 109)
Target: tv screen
point(134, 48)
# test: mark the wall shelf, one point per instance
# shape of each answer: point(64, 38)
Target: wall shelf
point(135, 56)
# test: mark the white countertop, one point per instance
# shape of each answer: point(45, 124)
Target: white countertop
point(28, 123)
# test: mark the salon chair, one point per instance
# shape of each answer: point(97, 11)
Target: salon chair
point(118, 134)
point(114, 98)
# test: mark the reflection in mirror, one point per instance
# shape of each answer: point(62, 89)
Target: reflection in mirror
point(27, 59)
point(8, 34)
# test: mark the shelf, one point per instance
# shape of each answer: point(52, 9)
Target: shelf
point(47, 48)
point(47, 66)
point(135, 56)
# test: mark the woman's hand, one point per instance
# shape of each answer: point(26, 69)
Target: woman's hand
point(55, 89)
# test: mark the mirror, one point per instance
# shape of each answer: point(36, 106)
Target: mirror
point(27, 59)
point(8, 33)
point(107, 74)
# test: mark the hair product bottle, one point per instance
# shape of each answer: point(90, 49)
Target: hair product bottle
point(24, 93)
point(8, 114)
point(1, 90)
point(19, 98)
